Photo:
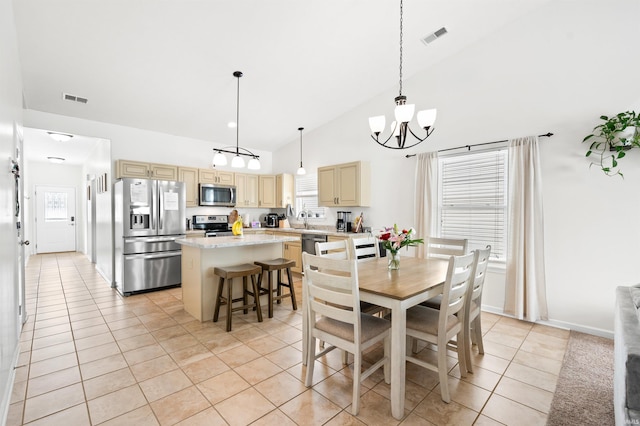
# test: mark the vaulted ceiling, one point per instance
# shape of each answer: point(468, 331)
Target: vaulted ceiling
point(167, 65)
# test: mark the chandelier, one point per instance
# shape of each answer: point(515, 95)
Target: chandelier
point(301, 170)
point(219, 159)
point(403, 115)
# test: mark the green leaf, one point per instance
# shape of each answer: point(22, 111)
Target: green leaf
point(588, 137)
point(621, 154)
point(614, 163)
point(604, 117)
point(588, 153)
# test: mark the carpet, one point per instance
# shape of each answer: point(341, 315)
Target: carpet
point(584, 394)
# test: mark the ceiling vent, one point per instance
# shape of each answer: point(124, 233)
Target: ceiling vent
point(73, 98)
point(433, 36)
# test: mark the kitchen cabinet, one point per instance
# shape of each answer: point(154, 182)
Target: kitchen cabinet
point(216, 176)
point(284, 190)
point(247, 190)
point(293, 251)
point(345, 185)
point(267, 193)
point(189, 176)
point(137, 169)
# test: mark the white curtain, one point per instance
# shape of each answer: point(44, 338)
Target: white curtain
point(426, 197)
point(525, 291)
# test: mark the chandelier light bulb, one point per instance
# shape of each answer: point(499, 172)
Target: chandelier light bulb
point(427, 117)
point(237, 162)
point(219, 159)
point(253, 164)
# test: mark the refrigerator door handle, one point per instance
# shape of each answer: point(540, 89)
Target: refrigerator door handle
point(160, 208)
point(153, 255)
point(152, 239)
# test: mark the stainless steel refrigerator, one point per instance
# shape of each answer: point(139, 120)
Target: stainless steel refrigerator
point(149, 215)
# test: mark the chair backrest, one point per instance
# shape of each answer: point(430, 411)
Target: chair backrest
point(443, 248)
point(332, 290)
point(481, 261)
point(333, 249)
point(459, 278)
point(365, 248)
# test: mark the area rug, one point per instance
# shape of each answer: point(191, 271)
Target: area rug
point(584, 394)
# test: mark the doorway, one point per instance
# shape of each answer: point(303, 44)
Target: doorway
point(55, 219)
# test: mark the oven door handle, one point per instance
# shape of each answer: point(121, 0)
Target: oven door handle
point(160, 255)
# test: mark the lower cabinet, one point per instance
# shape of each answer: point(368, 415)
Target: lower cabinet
point(293, 251)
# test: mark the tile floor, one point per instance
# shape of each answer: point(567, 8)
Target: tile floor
point(89, 356)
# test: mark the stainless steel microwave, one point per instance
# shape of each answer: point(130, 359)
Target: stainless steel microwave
point(217, 195)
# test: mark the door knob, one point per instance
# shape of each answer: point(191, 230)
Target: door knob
point(26, 243)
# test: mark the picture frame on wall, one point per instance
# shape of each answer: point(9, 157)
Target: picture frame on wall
point(99, 184)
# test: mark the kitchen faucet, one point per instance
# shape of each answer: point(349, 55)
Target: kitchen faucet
point(304, 212)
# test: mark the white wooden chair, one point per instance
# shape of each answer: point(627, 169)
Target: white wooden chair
point(333, 249)
point(440, 326)
point(333, 303)
point(365, 248)
point(473, 305)
point(443, 248)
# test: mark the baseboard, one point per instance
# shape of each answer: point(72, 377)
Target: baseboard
point(557, 324)
point(8, 390)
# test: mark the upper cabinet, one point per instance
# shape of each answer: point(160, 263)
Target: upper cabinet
point(247, 190)
point(267, 194)
point(345, 185)
point(215, 176)
point(189, 176)
point(136, 169)
point(284, 190)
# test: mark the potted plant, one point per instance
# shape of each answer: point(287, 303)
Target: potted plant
point(612, 138)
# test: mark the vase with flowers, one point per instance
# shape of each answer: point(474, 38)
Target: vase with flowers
point(393, 239)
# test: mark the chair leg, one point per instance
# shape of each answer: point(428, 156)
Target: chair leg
point(292, 291)
point(229, 302)
point(216, 308)
point(355, 403)
point(245, 298)
point(256, 297)
point(311, 360)
point(279, 286)
point(461, 345)
point(270, 281)
point(442, 371)
point(477, 331)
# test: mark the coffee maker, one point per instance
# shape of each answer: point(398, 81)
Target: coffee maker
point(343, 223)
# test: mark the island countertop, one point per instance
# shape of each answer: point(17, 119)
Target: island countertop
point(235, 241)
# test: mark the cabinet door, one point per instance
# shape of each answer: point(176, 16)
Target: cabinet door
point(348, 184)
point(326, 186)
point(267, 196)
point(190, 178)
point(293, 251)
point(241, 193)
point(134, 169)
point(226, 178)
point(284, 190)
point(252, 190)
point(206, 176)
point(163, 172)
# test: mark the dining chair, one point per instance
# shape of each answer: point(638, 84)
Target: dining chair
point(473, 305)
point(333, 249)
point(443, 248)
point(440, 326)
point(333, 304)
point(365, 248)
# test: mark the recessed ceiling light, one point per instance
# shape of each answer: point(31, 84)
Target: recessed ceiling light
point(59, 137)
point(434, 35)
point(56, 160)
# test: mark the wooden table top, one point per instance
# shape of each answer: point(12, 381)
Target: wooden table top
point(414, 276)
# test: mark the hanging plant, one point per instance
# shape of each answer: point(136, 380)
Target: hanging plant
point(611, 139)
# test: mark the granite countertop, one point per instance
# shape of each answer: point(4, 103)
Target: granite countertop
point(235, 241)
point(306, 231)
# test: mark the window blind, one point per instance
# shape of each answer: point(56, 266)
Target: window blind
point(307, 195)
point(473, 199)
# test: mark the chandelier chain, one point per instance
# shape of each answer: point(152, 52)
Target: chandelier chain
point(400, 48)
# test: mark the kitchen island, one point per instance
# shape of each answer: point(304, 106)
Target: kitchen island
point(201, 255)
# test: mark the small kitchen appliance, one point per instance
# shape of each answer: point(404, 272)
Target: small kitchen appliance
point(343, 224)
point(271, 220)
point(213, 226)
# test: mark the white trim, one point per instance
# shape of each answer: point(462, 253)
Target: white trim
point(4, 404)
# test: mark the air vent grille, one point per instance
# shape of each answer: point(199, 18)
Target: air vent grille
point(74, 98)
point(435, 35)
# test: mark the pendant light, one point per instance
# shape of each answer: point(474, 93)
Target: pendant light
point(301, 170)
point(403, 115)
point(219, 159)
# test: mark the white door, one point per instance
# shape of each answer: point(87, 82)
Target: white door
point(55, 219)
point(17, 167)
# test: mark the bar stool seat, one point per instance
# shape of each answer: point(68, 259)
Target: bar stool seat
point(228, 273)
point(268, 266)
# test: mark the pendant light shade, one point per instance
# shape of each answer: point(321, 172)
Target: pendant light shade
point(219, 159)
point(301, 170)
point(253, 164)
point(237, 162)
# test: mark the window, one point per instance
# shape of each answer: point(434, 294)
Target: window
point(55, 206)
point(307, 195)
point(473, 199)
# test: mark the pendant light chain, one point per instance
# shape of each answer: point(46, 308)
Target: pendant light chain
point(400, 94)
point(238, 115)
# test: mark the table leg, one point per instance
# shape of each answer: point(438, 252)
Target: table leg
point(398, 366)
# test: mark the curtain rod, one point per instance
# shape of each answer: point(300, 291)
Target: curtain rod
point(546, 135)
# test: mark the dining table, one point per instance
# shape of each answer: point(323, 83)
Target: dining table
point(414, 282)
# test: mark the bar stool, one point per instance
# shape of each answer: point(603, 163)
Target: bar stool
point(228, 273)
point(268, 266)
